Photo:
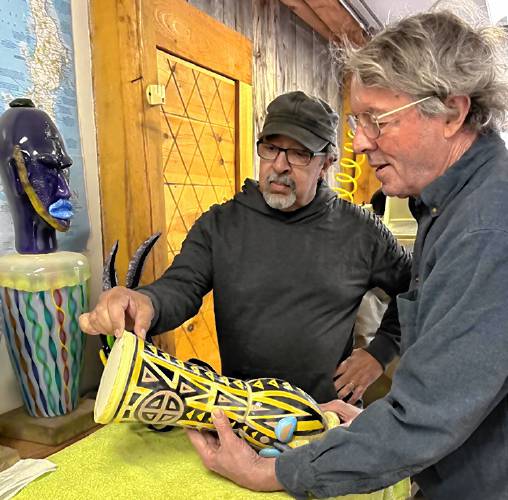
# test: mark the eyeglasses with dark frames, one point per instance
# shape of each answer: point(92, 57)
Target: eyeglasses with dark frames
point(371, 123)
point(294, 156)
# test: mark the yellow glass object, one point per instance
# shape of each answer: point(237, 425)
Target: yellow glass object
point(142, 383)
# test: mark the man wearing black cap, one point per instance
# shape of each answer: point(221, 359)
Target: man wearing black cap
point(288, 263)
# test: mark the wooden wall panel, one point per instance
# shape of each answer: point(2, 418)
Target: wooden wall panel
point(286, 51)
point(243, 16)
point(213, 8)
point(265, 17)
point(236, 14)
point(306, 73)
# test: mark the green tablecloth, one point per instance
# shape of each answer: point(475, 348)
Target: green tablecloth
point(131, 462)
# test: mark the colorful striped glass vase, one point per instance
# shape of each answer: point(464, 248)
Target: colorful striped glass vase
point(42, 297)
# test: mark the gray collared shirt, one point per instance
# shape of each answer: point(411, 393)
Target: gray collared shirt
point(445, 420)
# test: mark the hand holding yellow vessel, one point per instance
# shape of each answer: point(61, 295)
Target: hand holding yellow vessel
point(141, 383)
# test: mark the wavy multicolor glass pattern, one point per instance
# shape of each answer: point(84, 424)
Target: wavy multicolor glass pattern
point(46, 345)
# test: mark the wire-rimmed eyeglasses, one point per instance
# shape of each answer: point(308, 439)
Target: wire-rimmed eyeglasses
point(294, 156)
point(370, 123)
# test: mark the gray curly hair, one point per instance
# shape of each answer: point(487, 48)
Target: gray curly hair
point(438, 54)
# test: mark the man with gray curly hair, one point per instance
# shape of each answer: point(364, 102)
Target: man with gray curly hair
point(428, 97)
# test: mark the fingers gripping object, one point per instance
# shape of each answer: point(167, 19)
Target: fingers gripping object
point(284, 432)
point(141, 383)
point(110, 280)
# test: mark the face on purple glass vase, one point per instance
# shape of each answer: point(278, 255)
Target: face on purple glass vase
point(33, 171)
point(42, 168)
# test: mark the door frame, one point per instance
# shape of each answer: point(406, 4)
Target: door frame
point(125, 36)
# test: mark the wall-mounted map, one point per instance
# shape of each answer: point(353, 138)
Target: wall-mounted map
point(37, 61)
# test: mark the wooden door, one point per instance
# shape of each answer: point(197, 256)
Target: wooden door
point(163, 163)
point(198, 157)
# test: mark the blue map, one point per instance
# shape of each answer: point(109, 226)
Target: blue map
point(37, 62)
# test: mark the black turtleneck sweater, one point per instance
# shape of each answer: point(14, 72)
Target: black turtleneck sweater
point(286, 285)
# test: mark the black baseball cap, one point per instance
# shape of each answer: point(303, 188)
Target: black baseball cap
point(304, 118)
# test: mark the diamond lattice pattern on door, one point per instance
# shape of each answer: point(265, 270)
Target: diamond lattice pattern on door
point(198, 151)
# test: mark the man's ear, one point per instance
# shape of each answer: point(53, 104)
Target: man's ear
point(326, 165)
point(460, 106)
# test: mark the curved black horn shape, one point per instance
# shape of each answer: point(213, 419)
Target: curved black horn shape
point(109, 277)
point(136, 264)
point(109, 280)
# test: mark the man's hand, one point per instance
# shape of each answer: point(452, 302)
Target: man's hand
point(345, 411)
point(233, 458)
point(118, 309)
point(355, 374)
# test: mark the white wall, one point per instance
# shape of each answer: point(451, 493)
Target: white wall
point(498, 10)
point(9, 392)
point(82, 56)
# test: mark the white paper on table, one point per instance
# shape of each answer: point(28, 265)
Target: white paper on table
point(23, 472)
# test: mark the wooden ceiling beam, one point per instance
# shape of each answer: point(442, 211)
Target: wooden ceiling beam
point(337, 18)
point(328, 18)
point(307, 15)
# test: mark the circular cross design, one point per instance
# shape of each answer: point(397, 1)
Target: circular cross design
point(163, 407)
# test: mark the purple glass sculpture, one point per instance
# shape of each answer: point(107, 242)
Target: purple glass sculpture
point(33, 160)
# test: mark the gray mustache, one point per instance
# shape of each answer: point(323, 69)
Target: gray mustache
point(282, 179)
